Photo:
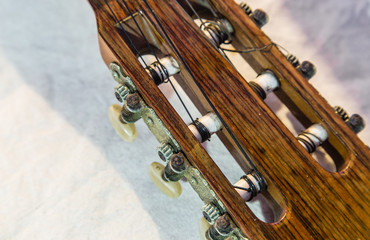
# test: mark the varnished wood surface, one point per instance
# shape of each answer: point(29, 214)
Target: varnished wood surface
point(321, 205)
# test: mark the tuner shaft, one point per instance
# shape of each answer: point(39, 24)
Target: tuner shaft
point(249, 186)
point(205, 126)
point(163, 69)
point(264, 84)
point(312, 137)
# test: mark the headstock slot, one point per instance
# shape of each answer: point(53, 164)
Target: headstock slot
point(295, 92)
point(272, 197)
point(304, 112)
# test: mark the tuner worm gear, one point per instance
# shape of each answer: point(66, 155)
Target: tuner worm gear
point(165, 152)
point(210, 212)
point(121, 92)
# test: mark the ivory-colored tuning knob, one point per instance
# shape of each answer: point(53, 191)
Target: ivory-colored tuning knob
point(203, 227)
point(171, 189)
point(127, 131)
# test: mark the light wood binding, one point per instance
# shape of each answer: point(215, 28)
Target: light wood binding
point(320, 204)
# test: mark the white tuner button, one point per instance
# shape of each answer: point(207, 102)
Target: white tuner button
point(127, 131)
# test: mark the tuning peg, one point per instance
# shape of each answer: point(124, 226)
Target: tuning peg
point(127, 131)
point(307, 68)
point(205, 126)
point(259, 16)
point(171, 189)
point(312, 137)
point(355, 122)
point(203, 228)
point(264, 84)
point(166, 178)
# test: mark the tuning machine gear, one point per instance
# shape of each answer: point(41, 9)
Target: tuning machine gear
point(307, 68)
point(259, 16)
point(355, 122)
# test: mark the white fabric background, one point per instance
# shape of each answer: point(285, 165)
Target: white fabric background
point(65, 174)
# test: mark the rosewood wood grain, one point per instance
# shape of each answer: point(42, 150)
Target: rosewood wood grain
point(320, 204)
point(307, 105)
point(115, 50)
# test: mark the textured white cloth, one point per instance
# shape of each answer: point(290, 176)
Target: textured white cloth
point(65, 174)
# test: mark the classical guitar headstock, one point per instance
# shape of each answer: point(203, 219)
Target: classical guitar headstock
point(149, 43)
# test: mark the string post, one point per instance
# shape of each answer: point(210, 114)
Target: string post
point(219, 32)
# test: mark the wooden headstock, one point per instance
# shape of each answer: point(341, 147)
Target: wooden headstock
point(308, 201)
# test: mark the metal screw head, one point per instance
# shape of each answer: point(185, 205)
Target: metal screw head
point(308, 69)
point(133, 101)
point(356, 123)
point(177, 162)
point(223, 224)
point(260, 17)
point(115, 75)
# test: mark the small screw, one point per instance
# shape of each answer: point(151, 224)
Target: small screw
point(356, 123)
point(193, 181)
point(260, 17)
point(223, 224)
point(150, 121)
point(177, 162)
point(115, 74)
point(307, 69)
point(133, 101)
